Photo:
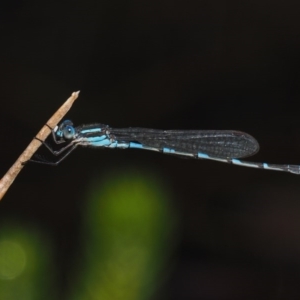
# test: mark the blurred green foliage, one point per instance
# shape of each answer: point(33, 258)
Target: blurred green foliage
point(128, 237)
point(126, 243)
point(25, 264)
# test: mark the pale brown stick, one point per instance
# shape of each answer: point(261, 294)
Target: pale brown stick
point(12, 173)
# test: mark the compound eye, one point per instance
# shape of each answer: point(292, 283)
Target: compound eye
point(69, 132)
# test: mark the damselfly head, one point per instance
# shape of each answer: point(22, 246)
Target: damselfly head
point(66, 130)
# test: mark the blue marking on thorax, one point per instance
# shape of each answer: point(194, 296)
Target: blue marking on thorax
point(100, 143)
point(203, 155)
point(96, 139)
point(91, 130)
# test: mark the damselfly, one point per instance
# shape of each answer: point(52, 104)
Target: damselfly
point(220, 145)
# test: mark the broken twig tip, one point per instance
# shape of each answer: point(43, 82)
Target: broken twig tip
point(11, 174)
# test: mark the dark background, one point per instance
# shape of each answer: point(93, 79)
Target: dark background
point(171, 65)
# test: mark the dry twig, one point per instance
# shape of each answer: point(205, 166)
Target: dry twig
point(12, 173)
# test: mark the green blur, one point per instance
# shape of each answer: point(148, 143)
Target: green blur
point(25, 264)
point(128, 238)
point(124, 251)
